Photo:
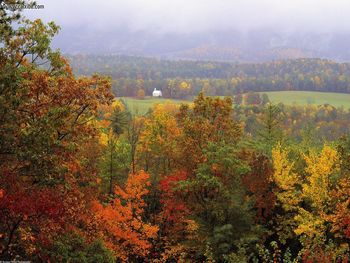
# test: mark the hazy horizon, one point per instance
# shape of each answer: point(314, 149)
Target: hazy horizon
point(195, 16)
point(160, 27)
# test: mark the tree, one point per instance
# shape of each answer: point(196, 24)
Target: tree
point(115, 160)
point(322, 170)
point(252, 98)
point(74, 248)
point(210, 120)
point(120, 118)
point(265, 99)
point(288, 197)
point(22, 212)
point(259, 184)
point(159, 145)
point(120, 222)
point(134, 131)
point(47, 120)
point(269, 128)
point(238, 99)
point(140, 87)
point(217, 200)
point(340, 195)
point(140, 94)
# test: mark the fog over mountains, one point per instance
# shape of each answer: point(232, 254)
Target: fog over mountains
point(254, 46)
point(225, 30)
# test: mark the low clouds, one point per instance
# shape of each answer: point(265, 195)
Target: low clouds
point(193, 16)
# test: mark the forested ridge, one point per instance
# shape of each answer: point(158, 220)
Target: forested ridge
point(83, 179)
point(131, 74)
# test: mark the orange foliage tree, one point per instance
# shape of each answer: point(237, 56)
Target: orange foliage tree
point(120, 222)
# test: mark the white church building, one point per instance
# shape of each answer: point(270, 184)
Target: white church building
point(157, 93)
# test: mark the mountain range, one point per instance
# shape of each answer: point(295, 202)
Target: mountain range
point(232, 46)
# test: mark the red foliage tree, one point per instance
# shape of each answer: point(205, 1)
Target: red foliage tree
point(259, 185)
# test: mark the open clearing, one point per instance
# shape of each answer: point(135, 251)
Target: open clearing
point(142, 106)
point(309, 97)
point(286, 97)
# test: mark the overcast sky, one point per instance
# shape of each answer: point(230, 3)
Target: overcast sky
point(188, 16)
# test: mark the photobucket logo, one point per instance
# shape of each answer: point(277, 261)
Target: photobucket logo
point(15, 7)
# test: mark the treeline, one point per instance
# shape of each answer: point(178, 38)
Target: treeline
point(315, 124)
point(133, 73)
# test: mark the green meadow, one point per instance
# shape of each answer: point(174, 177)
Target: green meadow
point(141, 106)
point(309, 97)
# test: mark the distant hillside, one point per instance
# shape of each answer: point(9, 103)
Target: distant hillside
point(229, 54)
point(232, 46)
point(152, 68)
point(181, 79)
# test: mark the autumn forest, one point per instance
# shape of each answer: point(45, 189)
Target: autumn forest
point(85, 179)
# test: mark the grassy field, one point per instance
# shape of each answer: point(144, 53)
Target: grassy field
point(142, 106)
point(309, 97)
point(285, 97)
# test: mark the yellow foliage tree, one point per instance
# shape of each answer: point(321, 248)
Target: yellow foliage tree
point(285, 178)
point(307, 200)
point(321, 169)
point(185, 86)
point(141, 94)
point(159, 140)
point(286, 192)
